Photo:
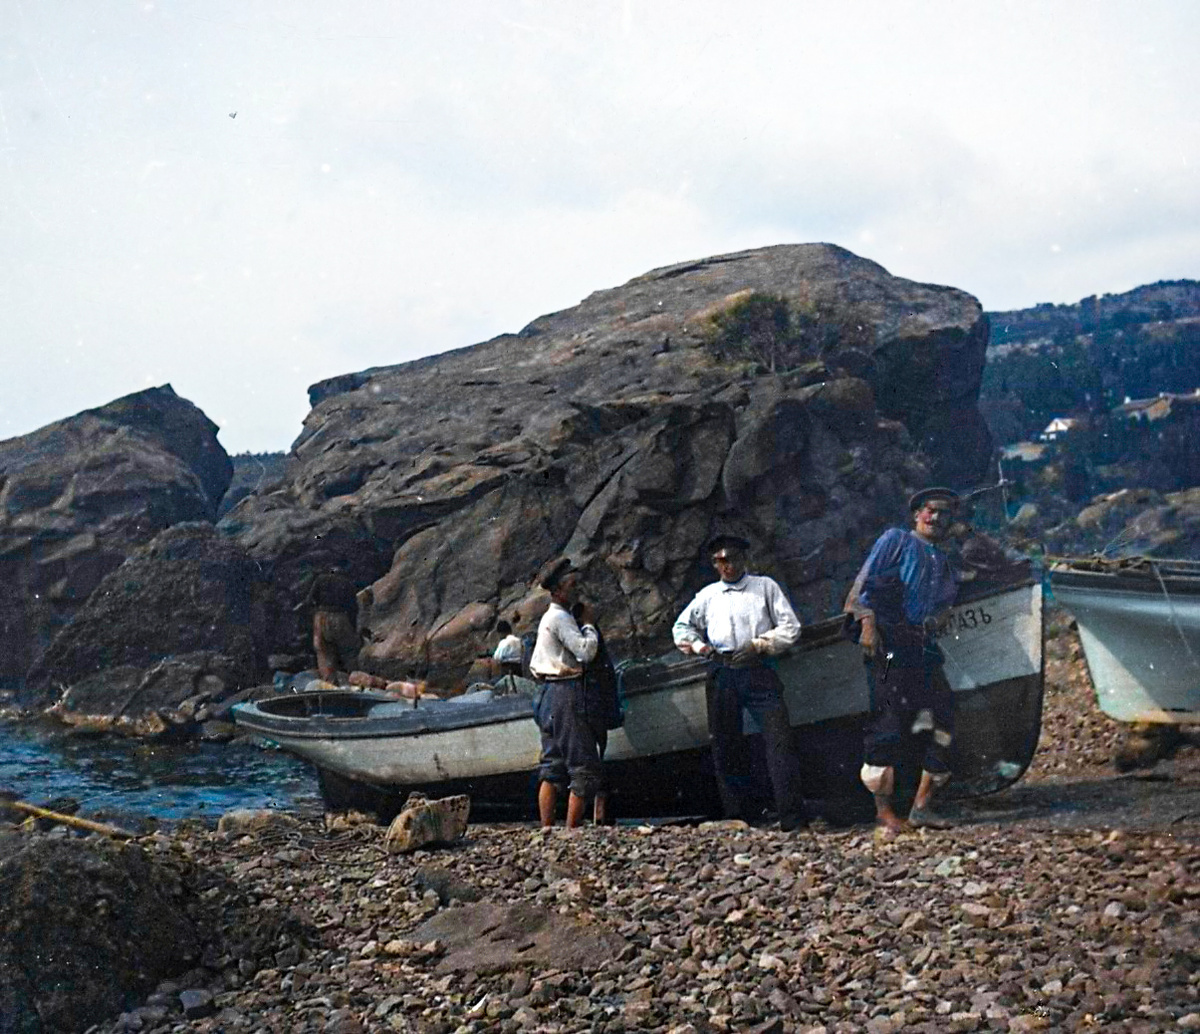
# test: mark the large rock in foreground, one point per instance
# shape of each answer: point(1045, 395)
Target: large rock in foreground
point(616, 432)
point(86, 930)
point(77, 496)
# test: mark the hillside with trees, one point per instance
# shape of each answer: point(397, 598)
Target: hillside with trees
point(1085, 359)
point(1121, 372)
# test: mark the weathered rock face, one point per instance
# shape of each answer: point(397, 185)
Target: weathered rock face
point(183, 617)
point(78, 496)
point(86, 929)
point(610, 432)
point(1132, 522)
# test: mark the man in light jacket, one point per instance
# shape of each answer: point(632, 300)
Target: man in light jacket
point(739, 624)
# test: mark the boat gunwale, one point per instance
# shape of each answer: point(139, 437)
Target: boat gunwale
point(1133, 582)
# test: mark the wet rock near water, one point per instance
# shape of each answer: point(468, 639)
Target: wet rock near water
point(78, 496)
point(178, 625)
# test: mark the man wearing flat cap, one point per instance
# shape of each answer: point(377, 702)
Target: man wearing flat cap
point(900, 597)
point(739, 624)
point(570, 737)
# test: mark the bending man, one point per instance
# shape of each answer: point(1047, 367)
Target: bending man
point(335, 637)
point(900, 595)
point(739, 623)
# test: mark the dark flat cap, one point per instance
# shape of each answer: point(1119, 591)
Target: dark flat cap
point(718, 542)
point(556, 574)
point(919, 499)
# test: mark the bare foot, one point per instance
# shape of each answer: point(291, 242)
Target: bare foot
point(887, 819)
point(891, 830)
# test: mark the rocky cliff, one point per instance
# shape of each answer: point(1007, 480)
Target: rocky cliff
point(180, 620)
point(622, 433)
point(77, 496)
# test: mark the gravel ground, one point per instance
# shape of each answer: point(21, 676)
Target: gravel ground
point(1070, 902)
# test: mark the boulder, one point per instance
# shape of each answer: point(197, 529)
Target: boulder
point(423, 823)
point(77, 496)
point(492, 937)
point(616, 433)
point(182, 618)
point(87, 928)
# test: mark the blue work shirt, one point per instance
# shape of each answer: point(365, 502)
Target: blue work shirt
point(905, 579)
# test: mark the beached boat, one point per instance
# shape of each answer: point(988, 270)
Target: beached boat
point(1139, 622)
point(369, 750)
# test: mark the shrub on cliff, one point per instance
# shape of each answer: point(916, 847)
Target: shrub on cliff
point(774, 334)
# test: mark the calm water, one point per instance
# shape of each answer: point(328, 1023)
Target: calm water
point(120, 777)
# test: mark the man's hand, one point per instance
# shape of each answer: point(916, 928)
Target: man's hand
point(697, 647)
point(743, 655)
point(869, 638)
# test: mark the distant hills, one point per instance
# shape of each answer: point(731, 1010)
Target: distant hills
point(1166, 300)
point(1087, 358)
point(252, 472)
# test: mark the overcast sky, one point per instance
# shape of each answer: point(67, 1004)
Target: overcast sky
point(242, 198)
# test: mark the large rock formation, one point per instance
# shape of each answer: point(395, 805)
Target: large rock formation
point(183, 618)
point(614, 432)
point(77, 496)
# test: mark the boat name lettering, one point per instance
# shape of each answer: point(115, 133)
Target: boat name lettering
point(964, 620)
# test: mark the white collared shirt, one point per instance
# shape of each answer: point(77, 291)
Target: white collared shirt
point(731, 615)
point(508, 651)
point(562, 647)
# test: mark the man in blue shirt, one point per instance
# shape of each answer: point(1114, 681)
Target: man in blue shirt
point(902, 592)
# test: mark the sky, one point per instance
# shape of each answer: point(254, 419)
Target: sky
point(243, 198)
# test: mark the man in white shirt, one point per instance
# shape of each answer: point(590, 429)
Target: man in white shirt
point(507, 654)
point(570, 742)
point(739, 623)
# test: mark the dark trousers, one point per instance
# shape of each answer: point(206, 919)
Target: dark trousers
point(912, 684)
point(572, 742)
point(758, 690)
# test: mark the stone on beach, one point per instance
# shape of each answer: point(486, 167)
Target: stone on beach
point(424, 822)
point(254, 820)
point(489, 937)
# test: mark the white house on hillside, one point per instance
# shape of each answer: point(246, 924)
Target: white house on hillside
point(1057, 427)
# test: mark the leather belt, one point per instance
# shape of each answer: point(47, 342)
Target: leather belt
point(725, 659)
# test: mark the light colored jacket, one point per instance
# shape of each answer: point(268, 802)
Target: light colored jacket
point(562, 647)
point(732, 615)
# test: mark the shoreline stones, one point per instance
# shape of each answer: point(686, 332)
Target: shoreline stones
point(1033, 923)
point(987, 927)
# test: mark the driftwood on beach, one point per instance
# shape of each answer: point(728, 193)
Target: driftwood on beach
point(67, 820)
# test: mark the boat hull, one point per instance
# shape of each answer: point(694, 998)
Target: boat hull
point(658, 762)
point(1140, 630)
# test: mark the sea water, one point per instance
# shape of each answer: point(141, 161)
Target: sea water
point(119, 777)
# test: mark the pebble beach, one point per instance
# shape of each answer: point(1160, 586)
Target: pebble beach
point(1027, 916)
